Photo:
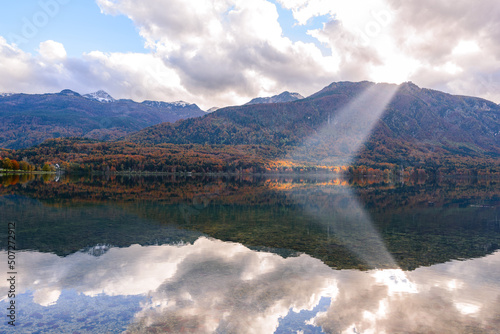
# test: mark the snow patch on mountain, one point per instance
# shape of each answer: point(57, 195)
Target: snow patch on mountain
point(281, 98)
point(211, 110)
point(100, 96)
point(167, 105)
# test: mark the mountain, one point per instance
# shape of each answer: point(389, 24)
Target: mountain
point(179, 109)
point(211, 110)
point(416, 124)
point(283, 97)
point(100, 96)
point(29, 119)
point(67, 92)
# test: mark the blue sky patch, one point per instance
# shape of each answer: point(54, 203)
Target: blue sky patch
point(296, 32)
point(78, 25)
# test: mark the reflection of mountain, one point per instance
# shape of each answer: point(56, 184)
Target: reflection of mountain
point(212, 286)
point(65, 231)
point(419, 224)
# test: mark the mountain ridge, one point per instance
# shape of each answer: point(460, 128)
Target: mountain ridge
point(280, 98)
point(345, 123)
point(417, 122)
point(29, 119)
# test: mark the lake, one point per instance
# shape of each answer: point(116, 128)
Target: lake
point(288, 254)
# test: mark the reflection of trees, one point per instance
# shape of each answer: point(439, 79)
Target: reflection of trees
point(65, 230)
point(419, 224)
point(13, 179)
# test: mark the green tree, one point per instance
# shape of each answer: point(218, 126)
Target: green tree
point(46, 168)
point(24, 166)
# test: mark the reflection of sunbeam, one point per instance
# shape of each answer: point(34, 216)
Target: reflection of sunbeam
point(396, 281)
point(337, 143)
point(352, 227)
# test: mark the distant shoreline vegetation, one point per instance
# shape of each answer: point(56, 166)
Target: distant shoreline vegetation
point(8, 165)
point(82, 156)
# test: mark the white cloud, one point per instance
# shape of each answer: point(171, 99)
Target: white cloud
point(52, 51)
point(224, 47)
point(14, 66)
point(447, 45)
point(123, 75)
point(420, 301)
point(224, 52)
point(466, 47)
point(46, 297)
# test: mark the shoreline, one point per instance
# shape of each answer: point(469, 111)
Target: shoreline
point(18, 172)
point(254, 174)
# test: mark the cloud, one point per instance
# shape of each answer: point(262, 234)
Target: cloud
point(225, 52)
point(448, 298)
point(52, 51)
point(395, 41)
point(432, 32)
point(224, 48)
point(124, 75)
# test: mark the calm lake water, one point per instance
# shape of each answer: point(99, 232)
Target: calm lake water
point(243, 255)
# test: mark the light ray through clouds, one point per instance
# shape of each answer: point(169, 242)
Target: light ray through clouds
point(339, 140)
point(350, 127)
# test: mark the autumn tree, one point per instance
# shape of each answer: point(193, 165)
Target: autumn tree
point(15, 165)
point(7, 163)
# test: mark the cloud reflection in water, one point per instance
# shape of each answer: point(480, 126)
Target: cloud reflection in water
point(214, 286)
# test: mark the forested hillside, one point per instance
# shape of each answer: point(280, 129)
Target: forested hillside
point(29, 119)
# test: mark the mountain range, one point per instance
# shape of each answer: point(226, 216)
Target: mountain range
point(345, 122)
point(416, 123)
point(29, 119)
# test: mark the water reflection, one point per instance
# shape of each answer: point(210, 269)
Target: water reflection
point(253, 256)
point(349, 223)
point(374, 226)
point(221, 287)
point(455, 297)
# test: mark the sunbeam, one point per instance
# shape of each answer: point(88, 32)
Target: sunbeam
point(337, 143)
point(341, 136)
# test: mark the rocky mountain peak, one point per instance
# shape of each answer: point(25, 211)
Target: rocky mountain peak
point(100, 96)
point(280, 98)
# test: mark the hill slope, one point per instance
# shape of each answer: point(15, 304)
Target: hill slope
point(415, 124)
point(27, 120)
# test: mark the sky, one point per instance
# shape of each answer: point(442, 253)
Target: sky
point(226, 52)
